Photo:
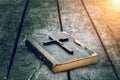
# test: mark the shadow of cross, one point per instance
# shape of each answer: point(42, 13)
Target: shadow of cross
point(59, 42)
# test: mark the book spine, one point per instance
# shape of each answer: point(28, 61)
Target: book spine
point(40, 52)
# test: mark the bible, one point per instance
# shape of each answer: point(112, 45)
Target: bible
point(60, 51)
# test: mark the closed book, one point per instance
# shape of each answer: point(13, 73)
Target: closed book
point(60, 51)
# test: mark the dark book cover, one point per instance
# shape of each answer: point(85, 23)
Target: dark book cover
point(61, 51)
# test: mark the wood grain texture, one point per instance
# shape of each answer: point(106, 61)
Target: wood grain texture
point(10, 14)
point(76, 22)
point(105, 15)
point(41, 18)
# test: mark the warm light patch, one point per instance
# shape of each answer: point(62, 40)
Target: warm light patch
point(116, 3)
point(74, 58)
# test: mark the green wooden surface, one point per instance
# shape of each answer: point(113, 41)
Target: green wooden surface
point(41, 17)
point(76, 22)
point(107, 20)
point(10, 14)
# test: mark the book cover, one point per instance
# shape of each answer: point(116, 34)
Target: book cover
point(60, 51)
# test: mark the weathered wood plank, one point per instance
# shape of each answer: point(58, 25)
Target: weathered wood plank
point(107, 20)
point(76, 22)
point(41, 18)
point(10, 14)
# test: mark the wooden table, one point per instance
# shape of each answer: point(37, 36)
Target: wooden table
point(95, 23)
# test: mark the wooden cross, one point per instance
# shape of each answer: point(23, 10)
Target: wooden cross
point(59, 42)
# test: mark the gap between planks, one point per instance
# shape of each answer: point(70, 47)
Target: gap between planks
point(17, 39)
point(100, 39)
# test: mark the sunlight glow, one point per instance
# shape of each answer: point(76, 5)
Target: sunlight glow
point(116, 4)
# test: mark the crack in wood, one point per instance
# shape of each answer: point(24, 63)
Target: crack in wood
point(113, 67)
point(59, 15)
point(34, 72)
point(68, 75)
point(17, 39)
